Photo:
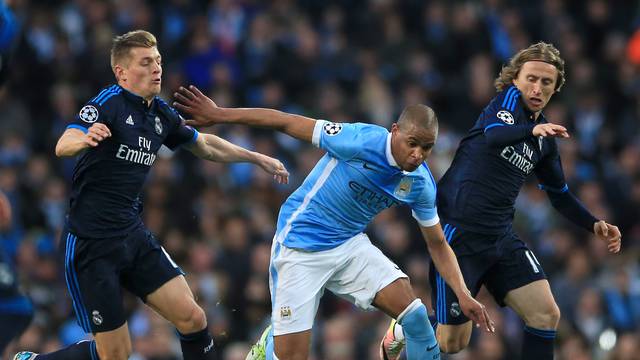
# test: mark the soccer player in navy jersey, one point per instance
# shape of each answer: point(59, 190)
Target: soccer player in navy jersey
point(106, 246)
point(510, 140)
point(319, 242)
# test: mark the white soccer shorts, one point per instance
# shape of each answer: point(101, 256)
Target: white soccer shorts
point(355, 270)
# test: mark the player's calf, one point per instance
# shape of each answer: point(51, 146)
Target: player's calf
point(454, 338)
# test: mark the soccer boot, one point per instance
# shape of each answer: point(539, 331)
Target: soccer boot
point(25, 355)
point(259, 349)
point(392, 343)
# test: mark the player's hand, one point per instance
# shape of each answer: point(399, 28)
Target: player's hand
point(550, 129)
point(609, 234)
point(5, 212)
point(274, 167)
point(201, 108)
point(96, 133)
point(477, 312)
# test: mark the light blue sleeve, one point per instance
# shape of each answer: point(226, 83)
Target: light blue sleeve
point(341, 140)
point(424, 209)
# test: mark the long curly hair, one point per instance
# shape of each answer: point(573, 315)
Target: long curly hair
point(537, 52)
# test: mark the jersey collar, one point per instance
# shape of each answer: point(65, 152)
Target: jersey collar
point(390, 158)
point(137, 99)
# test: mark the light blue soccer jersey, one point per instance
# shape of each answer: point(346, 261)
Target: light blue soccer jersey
point(352, 183)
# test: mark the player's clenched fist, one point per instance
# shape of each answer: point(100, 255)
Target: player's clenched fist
point(96, 133)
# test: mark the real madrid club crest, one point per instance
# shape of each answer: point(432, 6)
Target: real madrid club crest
point(404, 187)
point(158, 126)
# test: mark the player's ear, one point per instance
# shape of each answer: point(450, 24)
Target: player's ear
point(120, 72)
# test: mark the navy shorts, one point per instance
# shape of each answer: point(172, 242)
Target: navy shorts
point(500, 262)
point(97, 269)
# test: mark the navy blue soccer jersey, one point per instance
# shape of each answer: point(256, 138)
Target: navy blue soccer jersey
point(108, 179)
point(478, 191)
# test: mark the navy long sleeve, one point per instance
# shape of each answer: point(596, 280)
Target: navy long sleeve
point(503, 135)
point(572, 208)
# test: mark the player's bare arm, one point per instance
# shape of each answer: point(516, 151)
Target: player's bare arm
point(445, 261)
point(204, 111)
point(73, 141)
point(214, 148)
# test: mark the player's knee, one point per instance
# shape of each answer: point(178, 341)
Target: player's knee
point(115, 352)
point(452, 344)
point(545, 318)
point(192, 320)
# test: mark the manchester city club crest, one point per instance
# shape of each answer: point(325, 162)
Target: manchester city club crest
point(158, 126)
point(404, 187)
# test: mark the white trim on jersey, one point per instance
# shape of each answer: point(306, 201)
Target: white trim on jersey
point(533, 264)
point(169, 257)
point(390, 157)
point(317, 131)
point(307, 199)
point(426, 223)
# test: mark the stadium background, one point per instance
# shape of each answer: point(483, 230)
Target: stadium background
point(344, 61)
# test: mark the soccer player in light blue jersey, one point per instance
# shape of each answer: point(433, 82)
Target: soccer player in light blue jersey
point(319, 242)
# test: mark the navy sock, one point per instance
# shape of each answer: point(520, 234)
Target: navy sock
point(197, 346)
point(83, 350)
point(537, 344)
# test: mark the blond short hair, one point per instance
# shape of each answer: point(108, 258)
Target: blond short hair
point(123, 44)
point(537, 52)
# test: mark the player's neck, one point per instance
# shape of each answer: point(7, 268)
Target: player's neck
point(147, 99)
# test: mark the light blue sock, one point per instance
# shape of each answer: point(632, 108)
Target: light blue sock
point(269, 347)
point(420, 339)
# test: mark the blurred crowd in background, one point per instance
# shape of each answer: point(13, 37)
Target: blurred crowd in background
point(345, 61)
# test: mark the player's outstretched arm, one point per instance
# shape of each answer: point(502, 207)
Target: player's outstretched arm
point(204, 111)
point(214, 148)
point(445, 261)
point(74, 140)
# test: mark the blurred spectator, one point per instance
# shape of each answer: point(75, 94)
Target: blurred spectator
point(342, 61)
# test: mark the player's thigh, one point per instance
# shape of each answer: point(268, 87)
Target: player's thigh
point(114, 344)
point(293, 346)
point(175, 302)
point(92, 273)
point(394, 298)
point(297, 281)
point(363, 271)
point(155, 278)
point(535, 304)
point(515, 269)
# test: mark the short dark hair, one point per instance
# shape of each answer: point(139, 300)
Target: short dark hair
point(537, 52)
point(124, 43)
point(418, 115)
